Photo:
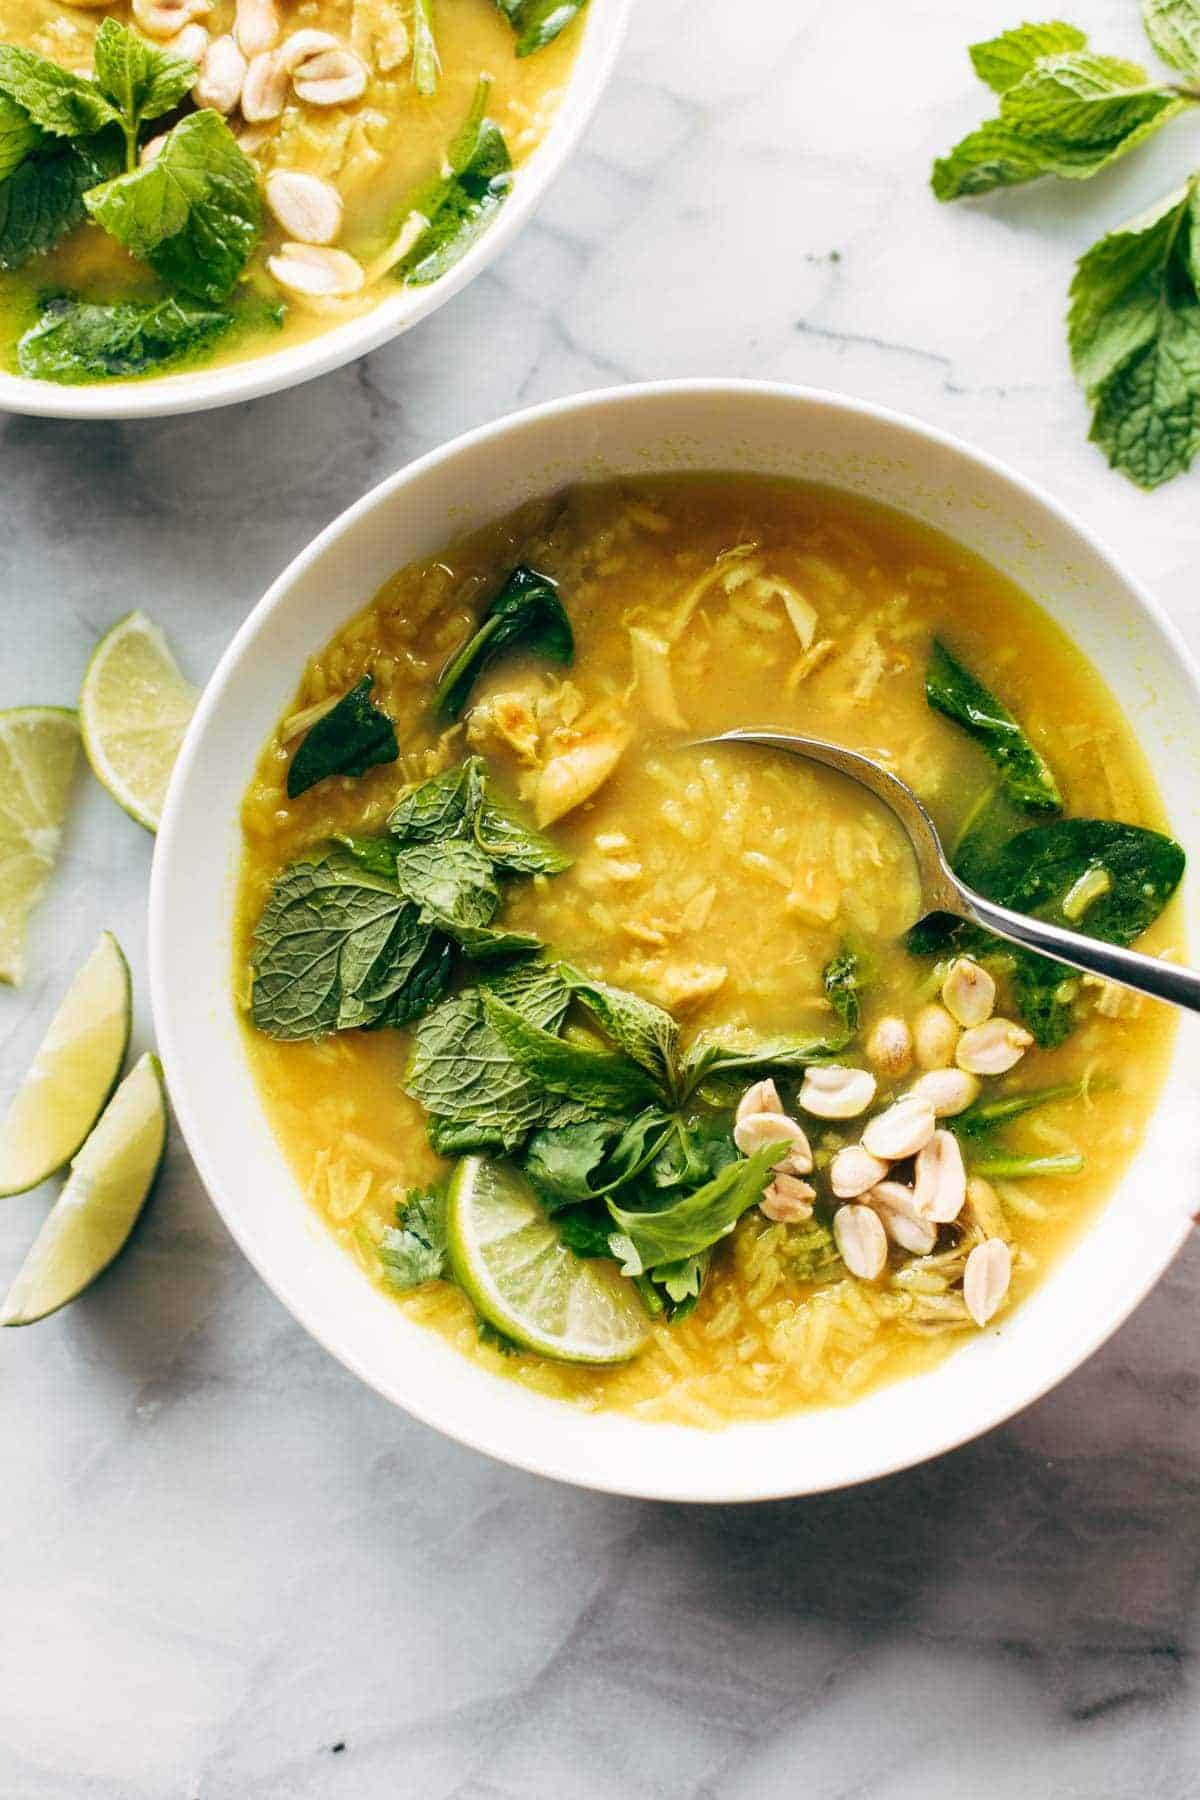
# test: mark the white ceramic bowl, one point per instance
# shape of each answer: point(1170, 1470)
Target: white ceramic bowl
point(675, 426)
point(197, 390)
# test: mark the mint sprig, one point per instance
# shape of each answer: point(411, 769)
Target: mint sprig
point(1134, 320)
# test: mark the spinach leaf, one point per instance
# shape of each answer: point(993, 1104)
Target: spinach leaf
point(1064, 111)
point(1134, 331)
point(460, 205)
point(643, 1031)
point(601, 1080)
point(426, 64)
point(66, 105)
point(74, 341)
point(538, 22)
point(18, 136)
point(696, 1220)
point(43, 198)
point(844, 979)
point(351, 738)
point(1173, 27)
point(414, 1251)
point(526, 611)
point(463, 1074)
point(953, 691)
point(337, 948)
point(193, 214)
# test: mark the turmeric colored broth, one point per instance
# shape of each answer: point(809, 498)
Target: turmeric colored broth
point(377, 152)
point(719, 883)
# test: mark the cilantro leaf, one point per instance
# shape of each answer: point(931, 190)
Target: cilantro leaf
point(75, 341)
point(63, 104)
point(18, 136)
point(696, 1220)
point(460, 205)
point(528, 612)
point(43, 198)
point(843, 980)
point(414, 1251)
point(1134, 330)
point(952, 690)
point(538, 22)
point(586, 1231)
point(1003, 61)
point(1173, 27)
point(351, 738)
point(193, 214)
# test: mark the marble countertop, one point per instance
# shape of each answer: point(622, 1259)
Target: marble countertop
point(229, 1572)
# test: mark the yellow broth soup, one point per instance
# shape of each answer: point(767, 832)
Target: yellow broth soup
point(279, 169)
point(727, 887)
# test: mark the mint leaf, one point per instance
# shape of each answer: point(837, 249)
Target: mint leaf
point(1134, 329)
point(75, 341)
point(1084, 99)
point(1003, 61)
point(351, 738)
point(952, 690)
point(561, 1164)
point(512, 843)
point(697, 1220)
point(452, 882)
point(193, 214)
point(741, 1052)
point(642, 1030)
point(18, 136)
point(442, 807)
point(63, 104)
point(141, 80)
point(527, 612)
point(991, 157)
point(1173, 27)
point(461, 204)
point(43, 198)
point(414, 1251)
point(538, 22)
point(601, 1080)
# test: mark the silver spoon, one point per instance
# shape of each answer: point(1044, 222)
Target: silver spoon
point(942, 891)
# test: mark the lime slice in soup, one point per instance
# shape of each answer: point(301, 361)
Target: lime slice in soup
point(38, 749)
point(73, 1073)
point(522, 1279)
point(134, 708)
point(96, 1211)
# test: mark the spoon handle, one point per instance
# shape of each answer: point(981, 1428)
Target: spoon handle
point(1131, 968)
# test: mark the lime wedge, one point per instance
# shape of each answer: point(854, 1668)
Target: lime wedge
point(134, 708)
point(522, 1279)
point(73, 1073)
point(38, 748)
point(98, 1208)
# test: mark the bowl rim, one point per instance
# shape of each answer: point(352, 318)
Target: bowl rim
point(741, 1487)
point(604, 27)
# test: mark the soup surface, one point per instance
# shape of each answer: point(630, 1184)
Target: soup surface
point(312, 155)
point(748, 896)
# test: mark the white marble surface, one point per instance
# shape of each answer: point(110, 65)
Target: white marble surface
point(227, 1571)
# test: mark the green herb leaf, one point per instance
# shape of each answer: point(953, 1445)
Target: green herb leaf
point(990, 157)
point(600, 1080)
point(426, 64)
point(376, 855)
point(74, 341)
point(561, 1164)
point(351, 738)
point(452, 882)
point(1173, 27)
point(464, 1076)
point(1089, 101)
point(538, 22)
point(735, 1054)
point(1134, 330)
point(681, 1281)
point(415, 1251)
point(527, 611)
point(141, 80)
point(337, 948)
point(461, 205)
point(1001, 1166)
point(442, 807)
point(43, 198)
point(586, 1231)
point(987, 1116)
point(193, 214)
point(844, 980)
point(503, 835)
point(642, 1030)
point(1003, 61)
point(953, 691)
point(63, 104)
point(18, 136)
point(696, 1220)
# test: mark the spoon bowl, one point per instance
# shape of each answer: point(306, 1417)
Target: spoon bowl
point(943, 891)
